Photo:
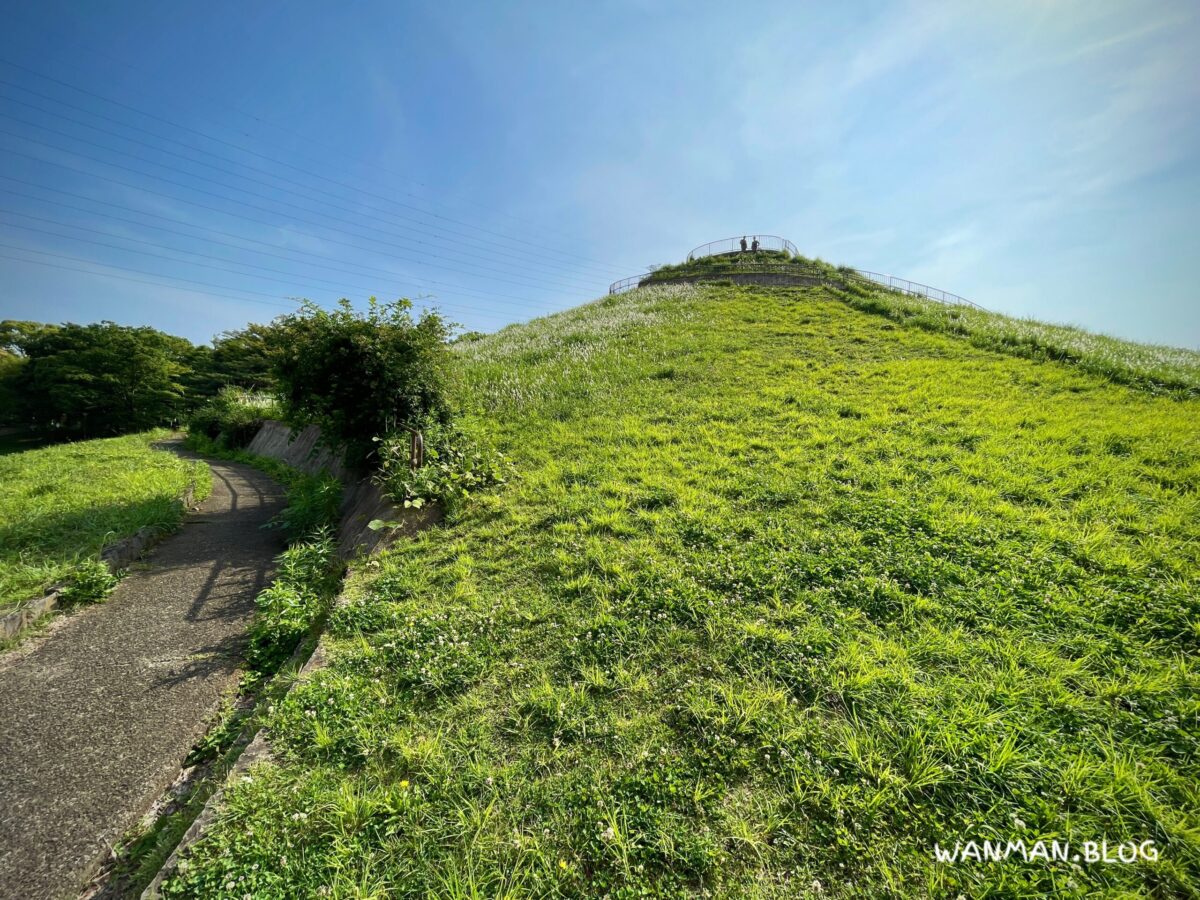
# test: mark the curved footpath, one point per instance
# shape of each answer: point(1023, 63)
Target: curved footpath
point(97, 716)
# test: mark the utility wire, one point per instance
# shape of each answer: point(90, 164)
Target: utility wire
point(262, 156)
point(349, 269)
point(540, 286)
point(305, 284)
point(224, 104)
point(276, 300)
point(547, 279)
point(524, 255)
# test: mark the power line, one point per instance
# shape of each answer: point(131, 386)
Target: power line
point(226, 105)
point(301, 284)
point(262, 156)
point(166, 278)
point(547, 279)
point(356, 269)
point(540, 286)
point(222, 184)
point(223, 287)
point(483, 242)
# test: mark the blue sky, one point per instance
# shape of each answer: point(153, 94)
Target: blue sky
point(503, 160)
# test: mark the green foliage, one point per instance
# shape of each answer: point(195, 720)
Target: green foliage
point(785, 594)
point(90, 581)
point(98, 379)
point(61, 505)
point(359, 375)
point(10, 395)
point(313, 502)
point(233, 417)
point(307, 579)
point(243, 358)
point(105, 379)
point(459, 460)
point(1147, 366)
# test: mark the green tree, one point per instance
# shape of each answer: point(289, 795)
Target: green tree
point(10, 371)
point(99, 379)
point(243, 358)
point(359, 376)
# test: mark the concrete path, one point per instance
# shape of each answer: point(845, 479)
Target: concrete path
point(97, 716)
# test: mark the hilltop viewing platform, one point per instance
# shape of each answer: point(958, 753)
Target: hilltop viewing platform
point(773, 260)
point(745, 244)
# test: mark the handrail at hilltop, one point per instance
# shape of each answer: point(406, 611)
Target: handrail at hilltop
point(734, 245)
point(891, 282)
point(914, 288)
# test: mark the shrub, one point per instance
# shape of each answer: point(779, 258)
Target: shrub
point(233, 417)
point(307, 579)
point(357, 376)
point(89, 582)
point(312, 504)
point(459, 460)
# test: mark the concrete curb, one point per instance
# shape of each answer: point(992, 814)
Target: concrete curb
point(116, 556)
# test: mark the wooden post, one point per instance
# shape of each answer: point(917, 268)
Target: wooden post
point(416, 457)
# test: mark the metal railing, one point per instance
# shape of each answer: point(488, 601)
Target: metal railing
point(737, 264)
point(734, 245)
point(914, 288)
point(892, 282)
point(719, 271)
point(628, 284)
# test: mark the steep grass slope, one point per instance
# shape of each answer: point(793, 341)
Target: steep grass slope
point(786, 594)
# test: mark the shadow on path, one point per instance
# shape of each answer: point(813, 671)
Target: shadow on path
point(98, 716)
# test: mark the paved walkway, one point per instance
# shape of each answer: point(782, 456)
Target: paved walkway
point(97, 716)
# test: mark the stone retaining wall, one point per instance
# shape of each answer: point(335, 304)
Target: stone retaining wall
point(362, 499)
point(770, 278)
point(302, 450)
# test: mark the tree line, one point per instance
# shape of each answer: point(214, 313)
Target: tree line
point(358, 375)
point(77, 381)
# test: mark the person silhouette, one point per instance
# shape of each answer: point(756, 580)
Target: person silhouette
point(754, 245)
point(743, 243)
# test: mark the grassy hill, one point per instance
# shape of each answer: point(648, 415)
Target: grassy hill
point(792, 585)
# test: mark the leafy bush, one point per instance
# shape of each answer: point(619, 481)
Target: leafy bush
point(90, 581)
point(458, 461)
point(357, 376)
point(233, 417)
point(308, 577)
point(312, 505)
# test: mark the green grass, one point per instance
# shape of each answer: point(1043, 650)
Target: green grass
point(783, 594)
point(60, 505)
point(1149, 366)
point(729, 262)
